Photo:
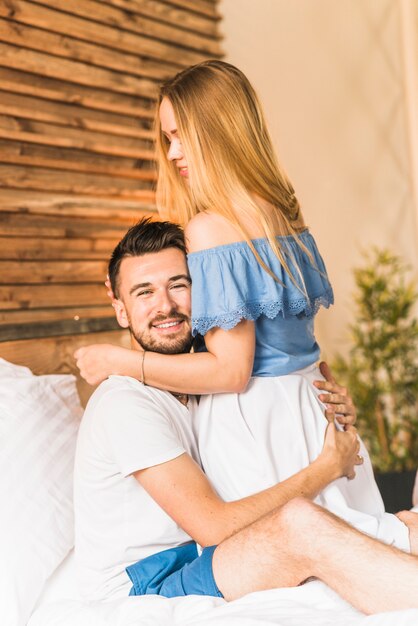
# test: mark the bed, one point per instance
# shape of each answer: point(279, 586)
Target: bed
point(39, 420)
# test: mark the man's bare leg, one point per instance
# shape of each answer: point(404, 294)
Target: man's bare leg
point(301, 540)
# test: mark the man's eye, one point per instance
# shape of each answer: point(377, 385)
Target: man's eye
point(146, 292)
point(179, 286)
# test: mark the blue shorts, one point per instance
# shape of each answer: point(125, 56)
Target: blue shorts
point(175, 572)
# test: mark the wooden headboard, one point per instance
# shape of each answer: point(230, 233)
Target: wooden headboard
point(77, 163)
point(54, 355)
point(78, 93)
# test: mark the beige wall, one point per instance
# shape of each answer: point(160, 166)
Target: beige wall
point(338, 82)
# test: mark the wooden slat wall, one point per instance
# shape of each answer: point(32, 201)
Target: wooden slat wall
point(56, 354)
point(78, 82)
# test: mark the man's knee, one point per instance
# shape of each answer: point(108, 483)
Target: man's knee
point(297, 515)
point(298, 508)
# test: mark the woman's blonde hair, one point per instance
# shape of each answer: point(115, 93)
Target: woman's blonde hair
point(230, 156)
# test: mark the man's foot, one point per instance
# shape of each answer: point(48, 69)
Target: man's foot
point(411, 520)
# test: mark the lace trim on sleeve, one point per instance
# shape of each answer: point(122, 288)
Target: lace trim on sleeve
point(252, 311)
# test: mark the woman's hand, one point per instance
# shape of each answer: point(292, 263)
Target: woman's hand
point(339, 404)
point(341, 451)
point(98, 361)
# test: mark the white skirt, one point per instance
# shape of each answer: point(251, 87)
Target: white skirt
point(253, 440)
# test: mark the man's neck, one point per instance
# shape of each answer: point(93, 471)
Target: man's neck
point(181, 397)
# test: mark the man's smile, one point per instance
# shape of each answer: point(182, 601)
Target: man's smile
point(171, 325)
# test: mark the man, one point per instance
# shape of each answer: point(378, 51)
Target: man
point(140, 494)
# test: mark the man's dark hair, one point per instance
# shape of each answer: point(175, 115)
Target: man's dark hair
point(145, 237)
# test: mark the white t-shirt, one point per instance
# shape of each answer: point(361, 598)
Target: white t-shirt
point(126, 427)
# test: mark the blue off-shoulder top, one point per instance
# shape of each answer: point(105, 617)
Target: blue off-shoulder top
point(228, 285)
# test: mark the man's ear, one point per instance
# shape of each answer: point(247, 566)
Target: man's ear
point(120, 312)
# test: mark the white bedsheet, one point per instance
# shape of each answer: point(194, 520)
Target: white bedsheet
point(313, 604)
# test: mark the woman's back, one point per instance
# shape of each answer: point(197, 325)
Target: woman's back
point(229, 284)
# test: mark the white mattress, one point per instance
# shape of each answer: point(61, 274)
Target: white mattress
point(313, 604)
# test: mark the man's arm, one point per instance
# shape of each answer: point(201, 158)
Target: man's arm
point(181, 488)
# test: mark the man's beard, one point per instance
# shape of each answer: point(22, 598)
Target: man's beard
point(163, 345)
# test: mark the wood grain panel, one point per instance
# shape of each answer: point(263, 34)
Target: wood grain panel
point(65, 46)
point(74, 160)
point(56, 328)
point(32, 272)
point(78, 88)
point(47, 88)
point(44, 248)
point(65, 227)
point(74, 71)
point(111, 36)
point(164, 12)
point(56, 355)
point(119, 211)
point(19, 129)
point(74, 116)
point(130, 167)
point(14, 297)
point(15, 318)
point(22, 177)
point(205, 7)
point(132, 21)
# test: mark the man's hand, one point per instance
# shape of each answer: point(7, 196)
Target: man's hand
point(98, 361)
point(341, 450)
point(410, 519)
point(338, 402)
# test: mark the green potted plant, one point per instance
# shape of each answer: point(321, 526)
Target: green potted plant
point(382, 373)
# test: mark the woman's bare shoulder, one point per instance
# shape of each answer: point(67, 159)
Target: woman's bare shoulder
point(208, 230)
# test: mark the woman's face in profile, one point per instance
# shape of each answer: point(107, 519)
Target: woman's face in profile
point(169, 129)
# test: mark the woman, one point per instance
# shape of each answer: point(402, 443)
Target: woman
point(258, 280)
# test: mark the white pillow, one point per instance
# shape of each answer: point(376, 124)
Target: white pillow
point(62, 585)
point(39, 418)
